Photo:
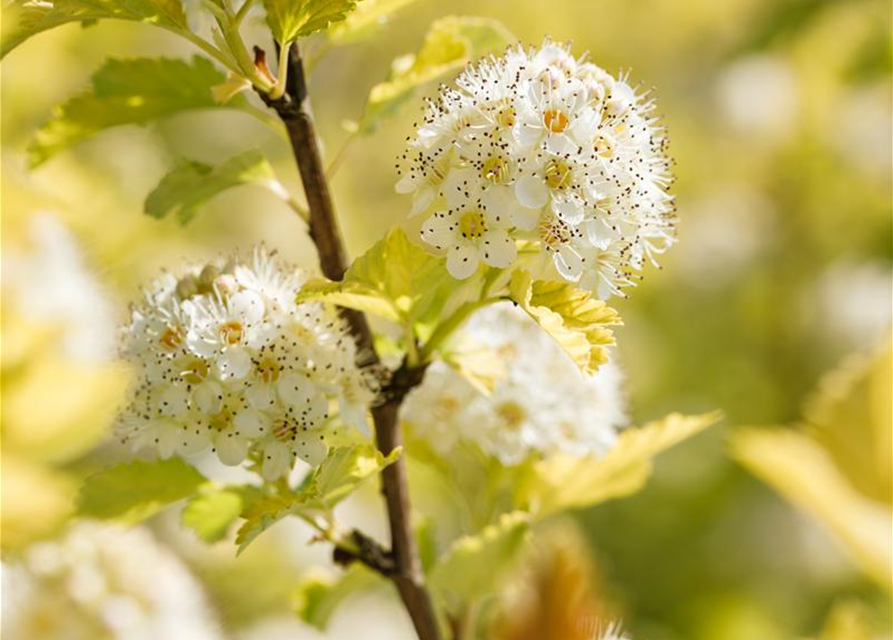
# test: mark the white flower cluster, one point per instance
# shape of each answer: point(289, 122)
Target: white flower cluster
point(228, 360)
point(541, 404)
point(103, 583)
point(539, 146)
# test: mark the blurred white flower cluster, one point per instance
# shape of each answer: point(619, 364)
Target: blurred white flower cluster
point(539, 146)
point(103, 583)
point(228, 360)
point(540, 404)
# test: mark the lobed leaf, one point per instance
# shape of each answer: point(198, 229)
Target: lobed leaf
point(395, 279)
point(123, 92)
point(576, 320)
point(190, 186)
point(290, 19)
point(567, 482)
point(23, 19)
point(474, 565)
point(342, 471)
point(450, 44)
point(211, 513)
point(317, 597)
point(368, 16)
point(134, 491)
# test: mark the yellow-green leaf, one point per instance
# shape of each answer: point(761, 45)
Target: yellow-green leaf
point(567, 482)
point(211, 513)
point(290, 19)
point(25, 18)
point(126, 92)
point(450, 44)
point(317, 597)
point(134, 491)
point(395, 279)
point(799, 468)
point(188, 187)
point(260, 516)
point(368, 16)
point(473, 565)
point(577, 321)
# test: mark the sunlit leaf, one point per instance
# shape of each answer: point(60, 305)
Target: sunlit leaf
point(134, 491)
point(848, 620)
point(576, 320)
point(473, 566)
point(566, 482)
point(805, 473)
point(851, 416)
point(25, 18)
point(342, 471)
point(395, 279)
point(125, 92)
point(290, 19)
point(449, 45)
point(211, 513)
point(368, 16)
point(187, 188)
point(317, 597)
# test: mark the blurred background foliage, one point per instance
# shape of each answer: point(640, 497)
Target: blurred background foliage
point(779, 113)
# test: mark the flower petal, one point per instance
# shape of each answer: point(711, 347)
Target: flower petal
point(440, 230)
point(230, 448)
point(499, 248)
point(277, 460)
point(568, 262)
point(250, 423)
point(532, 192)
point(462, 261)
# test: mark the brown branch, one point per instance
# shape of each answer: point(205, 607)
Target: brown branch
point(294, 110)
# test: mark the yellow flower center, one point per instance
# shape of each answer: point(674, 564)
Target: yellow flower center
point(604, 146)
point(553, 232)
point(268, 370)
point(558, 174)
point(496, 170)
point(222, 420)
point(555, 120)
point(472, 225)
point(196, 372)
point(172, 338)
point(506, 117)
point(512, 414)
point(284, 430)
point(231, 332)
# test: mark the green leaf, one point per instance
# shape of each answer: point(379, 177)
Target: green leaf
point(395, 279)
point(576, 320)
point(342, 471)
point(450, 44)
point(25, 18)
point(368, 16)
point(211, 513)
point(134, 491)
point(474, 565)
point(290, 19)
point(125, 92)
point(192, 184)
point(317, 597)
point(567, 482)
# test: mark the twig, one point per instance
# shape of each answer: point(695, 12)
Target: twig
point(294, 109)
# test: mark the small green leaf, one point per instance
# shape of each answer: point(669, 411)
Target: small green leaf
point(576, 320)
point(125, 92)
point(474, 565)
point(342, 471)
point(290, 19)
point(395, 279)
point(450, 44)
point(192, 184)
point(25, 18)
point(317, 597)
point(566, 482)
point(368, 16)
point(134, 491)
point(211, 513)
point(259, 516)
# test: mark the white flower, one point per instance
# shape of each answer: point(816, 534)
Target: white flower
point(569, 159)
point(103, 583)
point(541, 405)
point(230, 362)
